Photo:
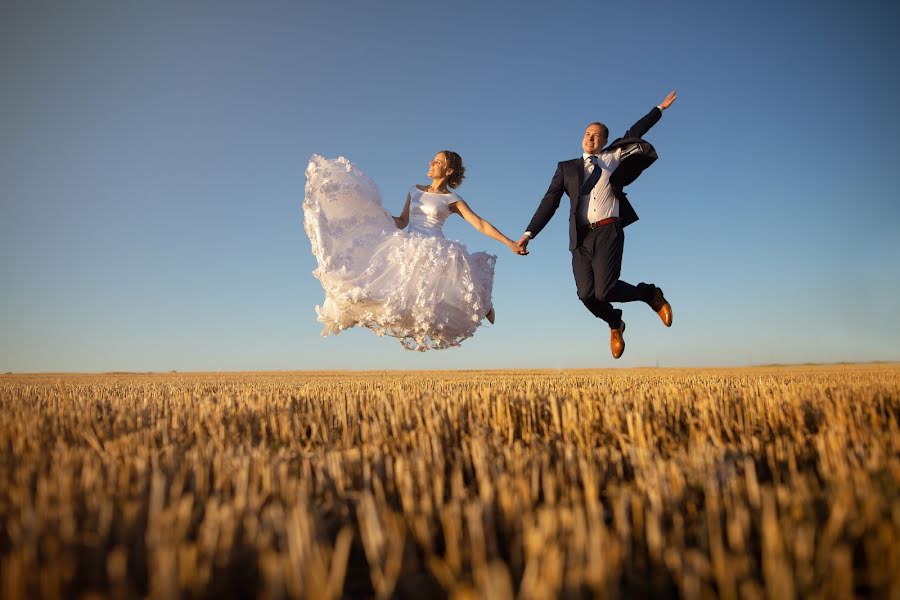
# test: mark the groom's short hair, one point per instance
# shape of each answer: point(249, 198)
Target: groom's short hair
point(603, 128)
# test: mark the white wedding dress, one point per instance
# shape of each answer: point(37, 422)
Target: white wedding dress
point(415, 285)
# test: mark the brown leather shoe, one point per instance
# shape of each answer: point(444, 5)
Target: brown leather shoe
point(665, 313)
point(616, 341)
point(665, 309)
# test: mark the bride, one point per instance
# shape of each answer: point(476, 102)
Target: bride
point(398, 275)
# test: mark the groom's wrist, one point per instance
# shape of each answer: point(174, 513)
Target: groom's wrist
point(527, 234)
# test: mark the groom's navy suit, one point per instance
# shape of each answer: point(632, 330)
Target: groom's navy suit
point(597, 253)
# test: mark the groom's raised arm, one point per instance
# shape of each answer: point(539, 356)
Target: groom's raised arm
point(651, 118)
point(644, 124)
point(549, 204)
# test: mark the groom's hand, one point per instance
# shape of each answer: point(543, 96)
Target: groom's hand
point(523, 245)
point(668, 100)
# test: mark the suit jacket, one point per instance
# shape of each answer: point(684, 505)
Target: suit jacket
point(637, 155)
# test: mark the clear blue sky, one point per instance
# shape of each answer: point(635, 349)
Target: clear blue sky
point(152, 160)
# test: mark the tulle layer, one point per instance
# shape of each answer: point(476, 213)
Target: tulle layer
point(425, 290)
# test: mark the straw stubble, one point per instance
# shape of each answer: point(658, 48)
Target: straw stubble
point(776, 482)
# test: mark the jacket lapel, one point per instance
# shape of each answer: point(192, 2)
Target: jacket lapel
point(579, 169)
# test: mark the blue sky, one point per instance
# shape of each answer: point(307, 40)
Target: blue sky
point(152, 162)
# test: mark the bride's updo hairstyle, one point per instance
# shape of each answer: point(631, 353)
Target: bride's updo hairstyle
point(454, 161)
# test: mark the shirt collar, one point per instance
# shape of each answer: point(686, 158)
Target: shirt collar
point(587, 156)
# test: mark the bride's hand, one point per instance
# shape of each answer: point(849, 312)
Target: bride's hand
point(522, 246)
point(517, 248)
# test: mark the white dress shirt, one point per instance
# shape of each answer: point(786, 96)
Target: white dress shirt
point(600, 203)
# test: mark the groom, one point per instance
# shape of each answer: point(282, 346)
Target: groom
point(598, 214)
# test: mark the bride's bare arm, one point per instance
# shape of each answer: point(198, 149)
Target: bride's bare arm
point(403, 220)
point(484, 226)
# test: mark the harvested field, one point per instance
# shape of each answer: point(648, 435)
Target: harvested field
point(769, 482)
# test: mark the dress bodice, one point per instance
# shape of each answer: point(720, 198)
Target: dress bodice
point(429, 211)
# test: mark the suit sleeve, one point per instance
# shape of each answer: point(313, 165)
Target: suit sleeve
point(549, 203)
point(643, 126)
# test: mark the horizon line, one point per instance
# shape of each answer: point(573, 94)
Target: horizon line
point(509, 369)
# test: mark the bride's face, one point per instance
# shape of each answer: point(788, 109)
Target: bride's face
point(437, 168)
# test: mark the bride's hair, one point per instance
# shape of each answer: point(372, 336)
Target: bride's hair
point(454, 161)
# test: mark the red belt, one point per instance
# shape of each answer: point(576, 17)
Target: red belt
point(603, 222)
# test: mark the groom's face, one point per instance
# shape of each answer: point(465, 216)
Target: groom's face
point(594, 139)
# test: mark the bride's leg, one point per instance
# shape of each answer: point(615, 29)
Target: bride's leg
point(490, 316)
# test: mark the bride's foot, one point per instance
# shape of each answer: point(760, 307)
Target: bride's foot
point(490, 316)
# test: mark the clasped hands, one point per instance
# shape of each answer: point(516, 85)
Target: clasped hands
point(520, 247)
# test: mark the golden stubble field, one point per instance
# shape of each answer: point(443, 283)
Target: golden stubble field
point(771, 482)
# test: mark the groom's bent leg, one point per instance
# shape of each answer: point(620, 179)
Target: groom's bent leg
point(585, 282)
point(584, 277)
point(607, 266)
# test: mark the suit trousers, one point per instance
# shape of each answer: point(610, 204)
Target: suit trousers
point(596, 263)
